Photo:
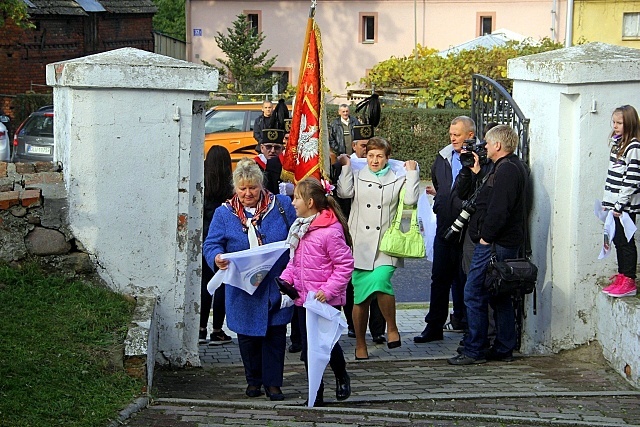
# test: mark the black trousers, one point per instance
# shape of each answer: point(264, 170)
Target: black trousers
point(295, 329)
point(336, 361)
point(626, 251)
point(447, 268)
point(263, 357)
point(207, 301)
point(377, 324)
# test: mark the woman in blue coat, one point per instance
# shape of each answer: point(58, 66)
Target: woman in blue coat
point(253, 217)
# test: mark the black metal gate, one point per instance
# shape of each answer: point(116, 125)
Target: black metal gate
point(490, 102)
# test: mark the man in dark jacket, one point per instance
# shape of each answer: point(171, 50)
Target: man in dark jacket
point(262, 122)
point(341, 132)
point(497, 226)
point(446, 273)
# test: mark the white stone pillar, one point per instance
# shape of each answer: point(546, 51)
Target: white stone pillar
point(129, 129)
point(569, 95)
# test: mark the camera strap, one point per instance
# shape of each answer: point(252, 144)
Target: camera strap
point(482, 182)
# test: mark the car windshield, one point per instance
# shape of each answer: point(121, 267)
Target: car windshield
point(39, 126)
point(225, 121)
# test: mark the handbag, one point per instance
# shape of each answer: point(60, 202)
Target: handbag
point(287, 288)
point(511, 276)
point(403, 245)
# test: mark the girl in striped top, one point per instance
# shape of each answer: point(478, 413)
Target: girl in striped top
point(622, 194)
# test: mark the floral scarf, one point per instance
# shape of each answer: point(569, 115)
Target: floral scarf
point(298, 229)
point(252, 223)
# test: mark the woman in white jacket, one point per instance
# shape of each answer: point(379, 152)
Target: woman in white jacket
point(375, 192)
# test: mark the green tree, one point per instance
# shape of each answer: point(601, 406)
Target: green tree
point(170, 18)
point(437, 81)
point(244, 63)
point(16, 11)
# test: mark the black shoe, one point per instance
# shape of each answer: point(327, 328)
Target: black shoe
point(351, 333)
point(253, 391)
point(274, 393)
point(428, 336)
point(295, 348)
point(343, 387)
point(463, 359)
point(500, 357)
point(379, 339)
point(202, 336)
point(395, 344)
point(361, 358)
point(460, 349)
point(219, 338)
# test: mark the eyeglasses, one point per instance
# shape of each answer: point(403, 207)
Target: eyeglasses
point(274, 147)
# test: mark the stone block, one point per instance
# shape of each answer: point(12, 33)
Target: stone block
point(44, 166)
point(3, 169)
point(78, 262)
point(30, 198)
point(42, 178)
point(6, 184)
point(25, 168)
point(44, 241)
point(8, 199)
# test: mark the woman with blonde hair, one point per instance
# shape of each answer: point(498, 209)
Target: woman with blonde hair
point(253, 217)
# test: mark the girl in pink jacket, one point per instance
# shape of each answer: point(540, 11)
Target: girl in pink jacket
point(322, 262)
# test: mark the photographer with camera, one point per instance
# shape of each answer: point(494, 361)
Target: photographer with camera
point(446, 273)
point(497, 228)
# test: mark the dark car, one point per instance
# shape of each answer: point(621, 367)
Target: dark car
point(33, 140)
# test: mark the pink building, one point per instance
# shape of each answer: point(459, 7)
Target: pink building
point(357, 34)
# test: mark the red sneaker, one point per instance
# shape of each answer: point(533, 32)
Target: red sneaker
point(627, 288)
point(616, 280)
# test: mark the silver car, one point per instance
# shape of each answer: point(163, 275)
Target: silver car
point(5, 148)
point(33, 140)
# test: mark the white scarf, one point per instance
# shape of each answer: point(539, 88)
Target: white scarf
point(297, 231)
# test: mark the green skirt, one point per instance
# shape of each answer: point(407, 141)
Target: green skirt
point(366, 282)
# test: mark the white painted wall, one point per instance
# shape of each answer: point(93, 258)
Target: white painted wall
point(569, 95)
point(129, 131)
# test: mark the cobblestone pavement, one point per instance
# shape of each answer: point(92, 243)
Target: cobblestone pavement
point(412, 385)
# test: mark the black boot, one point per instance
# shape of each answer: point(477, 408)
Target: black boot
point(319, 397)
point(343, 387)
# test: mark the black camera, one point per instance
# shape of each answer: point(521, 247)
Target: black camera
point(455, 231)
point(472, 146)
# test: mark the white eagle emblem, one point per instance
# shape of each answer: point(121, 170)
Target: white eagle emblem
point(307, 144)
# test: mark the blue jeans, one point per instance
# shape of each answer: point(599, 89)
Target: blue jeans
point(477, 299)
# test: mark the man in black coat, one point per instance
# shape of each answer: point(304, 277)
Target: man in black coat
point(262, 122)
point(341, 132)
point(496, 228)
point(446, 273)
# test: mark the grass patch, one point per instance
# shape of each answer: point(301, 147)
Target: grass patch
point(61, 351)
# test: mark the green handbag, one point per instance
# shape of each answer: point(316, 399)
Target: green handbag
point(403, 245)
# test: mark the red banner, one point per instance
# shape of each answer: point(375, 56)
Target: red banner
point(305, 151)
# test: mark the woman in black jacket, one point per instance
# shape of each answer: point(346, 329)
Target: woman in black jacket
point(217, 189)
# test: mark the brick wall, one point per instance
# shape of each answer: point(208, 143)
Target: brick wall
point(24, 54)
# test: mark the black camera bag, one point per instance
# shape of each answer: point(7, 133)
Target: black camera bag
point(511, 276)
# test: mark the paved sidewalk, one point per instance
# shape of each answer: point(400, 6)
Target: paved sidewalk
point(412, 385)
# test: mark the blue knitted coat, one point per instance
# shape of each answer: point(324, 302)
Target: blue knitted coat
point(251, 314)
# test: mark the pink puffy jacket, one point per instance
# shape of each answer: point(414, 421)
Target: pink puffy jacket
point(322, 261)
